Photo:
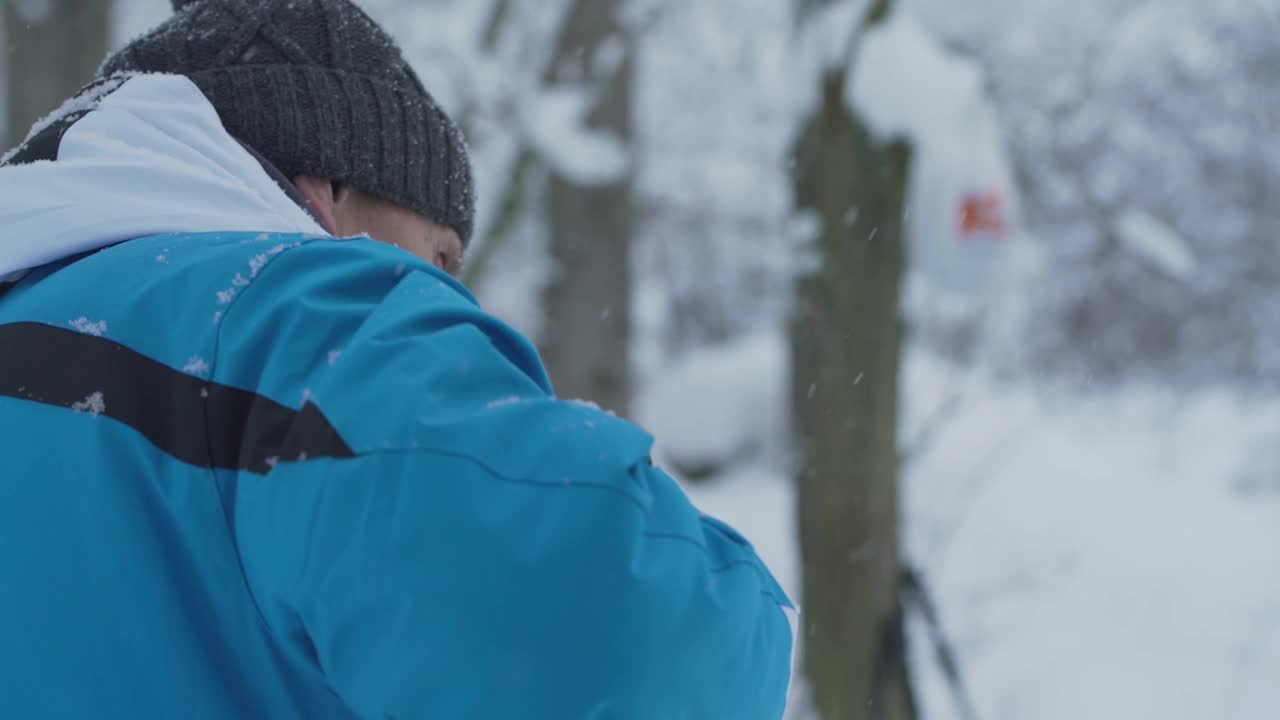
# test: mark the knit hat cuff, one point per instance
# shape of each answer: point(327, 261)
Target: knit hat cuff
point(393, 143)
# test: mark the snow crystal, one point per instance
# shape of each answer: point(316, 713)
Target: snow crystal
point(259, 261)
point(1157, 243)
point(196, 366)
point(94, 404)
point(240, 281)
point(226, 296)
point(334, 355)
point(503, 402)
point(88, 327)
point(591, 405)
point(256, 263)
point(272, 461)
point(204, 392)
point(162, 259)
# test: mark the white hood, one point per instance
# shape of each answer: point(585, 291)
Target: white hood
point(150, 158)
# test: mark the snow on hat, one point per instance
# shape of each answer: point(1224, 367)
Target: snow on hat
point(319, 89)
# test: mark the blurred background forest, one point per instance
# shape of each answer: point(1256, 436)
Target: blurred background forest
point(964, 313)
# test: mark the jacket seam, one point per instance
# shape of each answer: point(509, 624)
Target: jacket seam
point(227, 512)
point(761, 575)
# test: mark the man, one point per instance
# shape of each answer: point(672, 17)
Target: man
point(249, 469)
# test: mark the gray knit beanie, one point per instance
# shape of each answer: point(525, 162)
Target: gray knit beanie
point(318, 89)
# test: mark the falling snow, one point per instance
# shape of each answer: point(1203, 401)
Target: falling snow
point(1054, 618)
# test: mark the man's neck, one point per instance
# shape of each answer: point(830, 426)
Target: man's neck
point(285, 183)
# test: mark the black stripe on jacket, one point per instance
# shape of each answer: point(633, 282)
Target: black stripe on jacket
point(190, 418)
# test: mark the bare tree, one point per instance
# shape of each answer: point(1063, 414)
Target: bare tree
point(53, 47)
point(846, 337)
point(587, 337)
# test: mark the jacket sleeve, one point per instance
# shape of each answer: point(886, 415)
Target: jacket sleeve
point(490, 551)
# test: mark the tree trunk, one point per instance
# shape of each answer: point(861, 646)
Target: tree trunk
point(587, 336)
point(53, 48)
point(846, 336)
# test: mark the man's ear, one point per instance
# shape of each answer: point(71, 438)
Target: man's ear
point(320, 195)
point(342, 194)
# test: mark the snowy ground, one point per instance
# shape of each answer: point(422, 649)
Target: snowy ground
point(1109, 556)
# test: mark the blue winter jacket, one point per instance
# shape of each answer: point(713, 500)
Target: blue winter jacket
point(253, 474)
